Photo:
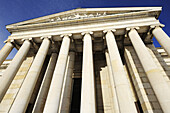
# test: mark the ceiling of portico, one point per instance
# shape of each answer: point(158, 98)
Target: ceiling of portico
point(87, 14)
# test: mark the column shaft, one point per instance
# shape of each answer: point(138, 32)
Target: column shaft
point(21, 102)
point(43, 92)
point(154, 75)
point(54, 94)
point(67, 89)
point(110, 71)
point(126, 104)
point(88, 103)
point(162, 38)
point(12, 69)
point(5, 51)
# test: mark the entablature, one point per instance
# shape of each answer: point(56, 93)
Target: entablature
point(76, 30)
point(94, 20)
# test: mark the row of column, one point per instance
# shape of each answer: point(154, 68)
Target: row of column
point(159, 85)
point(124, 103)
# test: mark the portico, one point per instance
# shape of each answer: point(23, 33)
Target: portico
point(84, 45)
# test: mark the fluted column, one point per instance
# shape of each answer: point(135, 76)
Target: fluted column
point(21, 102)
point(88, 102)
point(5, 51)
point(54, 94)
point(43, 92)
point(12, 69)
point(67, 89)
point(153, 73)
point(124, 95)
point(110, 71)
point(162, 38)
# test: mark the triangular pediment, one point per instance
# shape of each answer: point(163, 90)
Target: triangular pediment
point(84, 14)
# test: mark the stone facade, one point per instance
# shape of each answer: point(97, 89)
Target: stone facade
point(94, 60)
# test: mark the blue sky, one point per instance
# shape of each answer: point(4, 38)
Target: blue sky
point(12, 11)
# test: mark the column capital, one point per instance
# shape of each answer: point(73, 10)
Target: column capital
point(10, 41)
point(130, 28)
point(109, 30)
point(63, 35)
point(87, 32)
point(45, 37)
point(30, 39)
point(156, 26)
point(25, 39)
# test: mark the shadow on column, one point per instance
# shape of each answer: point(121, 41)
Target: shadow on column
point(76, 90)
point(37, 87)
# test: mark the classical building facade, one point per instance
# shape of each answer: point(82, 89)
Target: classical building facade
point(94, 60)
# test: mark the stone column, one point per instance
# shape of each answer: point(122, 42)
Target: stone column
point(54, 94)
point(162, 38)
point(123, 90)
point(5, 51)
point(43, 91)
point(67, 89)
point(12, 69)
point(21, 101)
point(111, 76)
point(154, 75)
point(88, 102)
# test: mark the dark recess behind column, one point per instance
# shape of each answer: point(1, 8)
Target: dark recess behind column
point(76, 96)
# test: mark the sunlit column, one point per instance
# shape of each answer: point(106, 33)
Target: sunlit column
point(112, 81)
point(43, 92)
point(54, 94)
point(21, 102)
point(153, 73)
point(162, 38)
point(88, 102)
point(5, 51)
point(123, 91)
point(12, 69)
point(67, 89)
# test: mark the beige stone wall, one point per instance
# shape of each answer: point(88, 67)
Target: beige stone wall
point(104, 96)
point(160, 62)
point(141, 83)
point(4, 66)
point(132, 64)
point(104, 93)
point(164, 59)
point(15, 85)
